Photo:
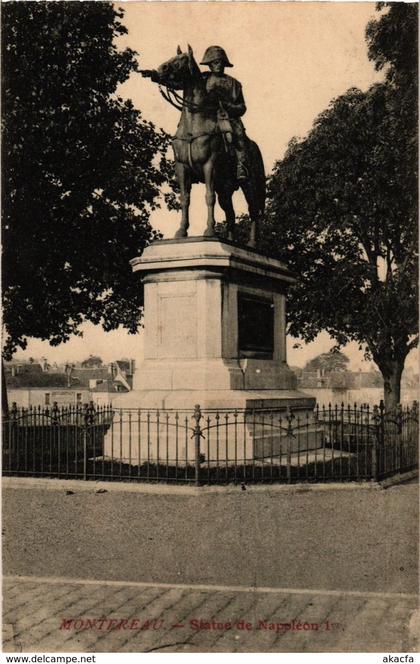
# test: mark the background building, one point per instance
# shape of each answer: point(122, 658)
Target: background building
point(37, 383)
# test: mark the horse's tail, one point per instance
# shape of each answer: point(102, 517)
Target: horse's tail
point(257, 176)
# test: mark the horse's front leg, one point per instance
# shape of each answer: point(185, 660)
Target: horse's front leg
point(254, 213)
point(184, 181)
point(253, 236)
point(208, 172)
point(225, 202)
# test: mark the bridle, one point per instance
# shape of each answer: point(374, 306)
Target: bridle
point(180, 103)
point(175, 99)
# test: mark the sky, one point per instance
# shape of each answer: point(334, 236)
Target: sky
point(292, 59)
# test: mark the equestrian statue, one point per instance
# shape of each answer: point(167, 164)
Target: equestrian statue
point(210, 144)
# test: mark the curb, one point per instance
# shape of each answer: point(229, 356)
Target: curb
point(401, 478)
point(91, 486)
point(206, 587)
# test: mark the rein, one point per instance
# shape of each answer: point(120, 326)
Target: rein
point(180, 104)
point(177, 101)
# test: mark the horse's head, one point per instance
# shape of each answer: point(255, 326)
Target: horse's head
point(180, 70)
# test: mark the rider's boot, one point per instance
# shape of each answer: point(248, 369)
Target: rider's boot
point(241, 168)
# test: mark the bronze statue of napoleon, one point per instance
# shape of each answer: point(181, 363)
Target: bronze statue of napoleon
point(210, 144)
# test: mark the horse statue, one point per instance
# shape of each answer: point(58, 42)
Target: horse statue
point(203, 147)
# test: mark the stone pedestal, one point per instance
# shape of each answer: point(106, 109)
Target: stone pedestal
point(214, 330)
point(201, 296)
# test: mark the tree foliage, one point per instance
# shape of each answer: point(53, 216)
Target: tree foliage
point(328, 362)
point(92, 361)
point(82, 171)
point(343, 210)
point(393, 44)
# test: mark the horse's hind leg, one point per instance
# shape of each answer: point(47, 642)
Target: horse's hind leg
point(225, 202)
point(184, 181)
point(208, 172)
point(253, 234)
point(254, 213)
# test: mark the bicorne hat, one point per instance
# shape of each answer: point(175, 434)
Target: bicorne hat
point(215, 53)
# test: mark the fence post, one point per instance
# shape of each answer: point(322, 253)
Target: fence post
point(413, 435)
point(289, 435)
point(55, 413)
point(197, 435)
point(398, 455)
point(86, 421)
point(377, 439)
point(382, 423)
point(12, 432)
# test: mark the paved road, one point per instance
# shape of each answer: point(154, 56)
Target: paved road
point(34, 612)
point(311, 550)
point(347, 540)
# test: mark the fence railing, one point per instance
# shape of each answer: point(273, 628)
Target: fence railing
point(198, 446)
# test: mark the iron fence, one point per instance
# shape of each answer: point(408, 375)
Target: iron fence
point(196, 446)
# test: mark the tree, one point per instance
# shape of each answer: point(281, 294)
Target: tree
point(92, 361)
point(82, 171)
point(342, 210)
point(333, 361)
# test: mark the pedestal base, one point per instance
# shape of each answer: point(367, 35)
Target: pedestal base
point(213, 375)
point(217, 400)
point(238, 426)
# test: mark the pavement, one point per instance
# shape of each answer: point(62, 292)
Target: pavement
point(44, 615)
point(297, 571)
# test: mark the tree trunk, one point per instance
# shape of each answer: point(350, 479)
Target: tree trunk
point(392, 384)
